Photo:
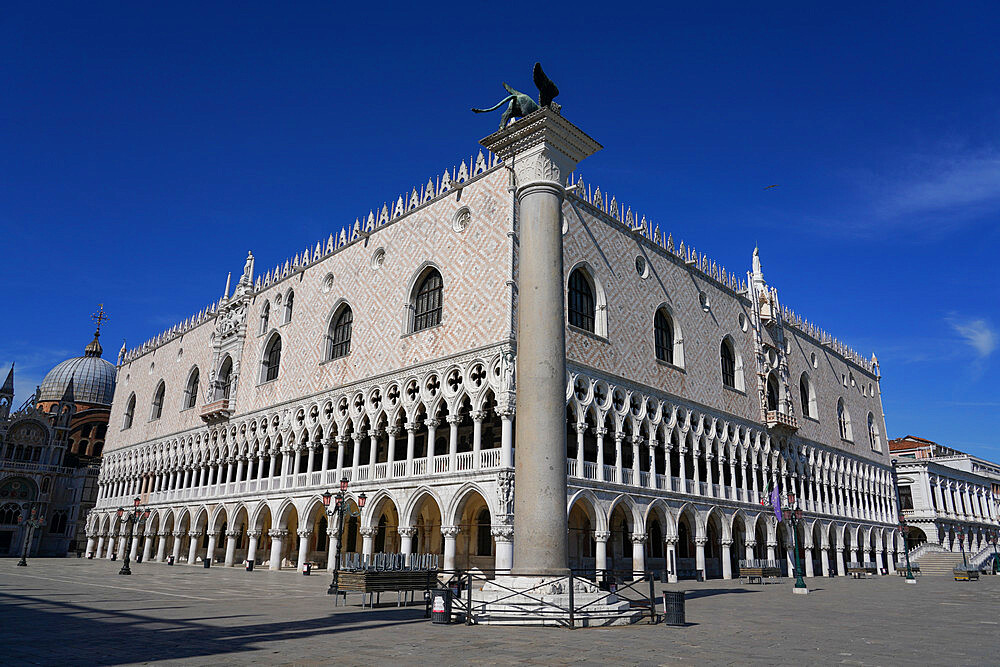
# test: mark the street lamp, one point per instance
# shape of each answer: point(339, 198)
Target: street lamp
point(31, 522)
point(961, 545)
point(338, 514)
point(903, 527)
point(135, 515)
point(996, 557)
point(794, 513)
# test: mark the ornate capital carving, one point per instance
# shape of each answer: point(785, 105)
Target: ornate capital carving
point(406, 531)
point(454, 420)
point(276, 534)
point(450, 531)
point(478, 415)
point(370, 531)
point(305, 532)
point(602, 535)
point(232, 533)
point(639, 538)
point(254, 533)
point(502, 533)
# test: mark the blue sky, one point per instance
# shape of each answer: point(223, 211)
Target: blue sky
point(145, 149)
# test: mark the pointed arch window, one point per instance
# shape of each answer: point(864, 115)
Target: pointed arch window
point(807, 397)
point(265, 315)
point(271, 360)
point(427, 301)
point(289, 305)
point(191, 392)
point(157, 408)
point(663, 336)
point(339, 334)
point(773, 403)
point(582, 304)
point(224, 380)
point(728, 355)
point(873, 434)
point(129, 413)
point(844, 421)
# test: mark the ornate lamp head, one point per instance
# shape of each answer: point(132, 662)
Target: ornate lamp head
point(327, 496)
point(361, 500)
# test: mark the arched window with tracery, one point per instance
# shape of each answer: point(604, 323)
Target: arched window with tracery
point(582, 305)
point(272, 359)
point(158, 397)
point(9, 514)
point(339, 334)
point(427, 301)
point(844, 421)
point(773, 393)
point(265, 315)
point(191, 392)
point(289, 305)
point(224, 381)
point(129, 413)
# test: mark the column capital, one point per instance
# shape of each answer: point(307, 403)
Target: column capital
point(602, 535)
point(639, 538)
point(274, 533)
point(478, 415)
point(454, 420)
point(671, 540)
point(726, 543)
point(305, 532)
point(450, 531)
point(406, 531)
point(232, 534)
point(393, 431)
point(502, 533)
point(700, 541)
point(371, 531)
point(254, 533)
point(432, 423)
point(194, 533)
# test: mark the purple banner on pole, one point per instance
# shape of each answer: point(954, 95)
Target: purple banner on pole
point(776, 503)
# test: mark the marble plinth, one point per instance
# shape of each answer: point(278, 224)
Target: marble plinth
point(520, 600)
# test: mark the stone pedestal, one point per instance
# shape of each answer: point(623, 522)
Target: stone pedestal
point(517, 600)
point(542, 149)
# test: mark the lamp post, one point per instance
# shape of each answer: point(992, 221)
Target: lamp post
point(903, 527)
point(961, 545)
point(31, 523)
point(794, 513)
point(996, 557)
point(338, 515)
point(135, 515)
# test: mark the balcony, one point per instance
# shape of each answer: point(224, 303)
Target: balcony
point(779, 420)
point(216, 411)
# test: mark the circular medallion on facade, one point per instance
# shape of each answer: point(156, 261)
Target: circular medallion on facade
point(814, 360)
point(703, 300)
point(461, 220)
point(327, 283)
point(378, 259)
point(744, 323)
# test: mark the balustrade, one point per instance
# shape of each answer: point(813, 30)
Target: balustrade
point(464, 462)
point(490, 458)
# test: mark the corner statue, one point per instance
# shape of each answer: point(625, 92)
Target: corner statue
point(520, 104)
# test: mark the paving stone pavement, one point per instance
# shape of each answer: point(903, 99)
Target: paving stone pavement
point(80, 612)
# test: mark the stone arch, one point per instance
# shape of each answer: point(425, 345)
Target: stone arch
point(424, 513)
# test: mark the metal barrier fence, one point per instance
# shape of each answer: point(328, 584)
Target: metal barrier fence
point(541, 602)
point(388, 562)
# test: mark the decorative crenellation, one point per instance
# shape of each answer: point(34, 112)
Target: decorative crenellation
point(792, 319)
point(435, 188)
point(647, 229)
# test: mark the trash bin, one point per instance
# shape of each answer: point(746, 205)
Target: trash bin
point(673, 607)
point(307, 568)
point(208, 563)
point(441, 606)
point(250, 566)
point(138, 558)
point(170, 560)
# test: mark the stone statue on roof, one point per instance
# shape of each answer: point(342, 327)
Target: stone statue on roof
point(521, 105)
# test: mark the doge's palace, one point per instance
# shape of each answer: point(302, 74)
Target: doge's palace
point(387, 354)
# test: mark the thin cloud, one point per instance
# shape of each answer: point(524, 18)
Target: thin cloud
point(957, 186)
point(978, 334)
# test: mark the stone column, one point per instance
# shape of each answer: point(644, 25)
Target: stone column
point(100, 546)
point(449, 533)
point(506, 438)
point(639, 554)
point(390, 460)
point(671, 559)
point(122, 543)
point(133, 550)
point(231, 536)
point(372, 452)
point(304, 536)
point(147, 547)
point(411, 432)
point(253, 536)
point(503, 537)
point(580, 429)
point(619, 476)
point(178, 538)
point(193, 546)
point(91, 540)
point(368, 540)
point(311, 460)
point(748, 549)
point(213, 539)
point(453, 422)
point(727, 562)
point(771, 546)
point(841, 570)
point(332, 550)
point(431, 425)
point(356, 457)
point(636, 468)
point(341, 442)
point(477, 438)
point(652, 462)
point(406, 542)
point(277, 541)
point(824, 557)
point(601, 551)
point(543, 149)
point(600, 433)
point(808, 551)
point(699, 552)
point(161, 547)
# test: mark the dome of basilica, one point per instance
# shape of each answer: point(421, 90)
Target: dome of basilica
point(93, 378)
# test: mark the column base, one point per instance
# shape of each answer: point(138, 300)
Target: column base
point(800, 591)
point(544, 601)
point(910, 581)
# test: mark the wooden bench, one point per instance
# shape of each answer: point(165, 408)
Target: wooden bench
point(374, 583)
point(759, 574)
point(901, 569)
